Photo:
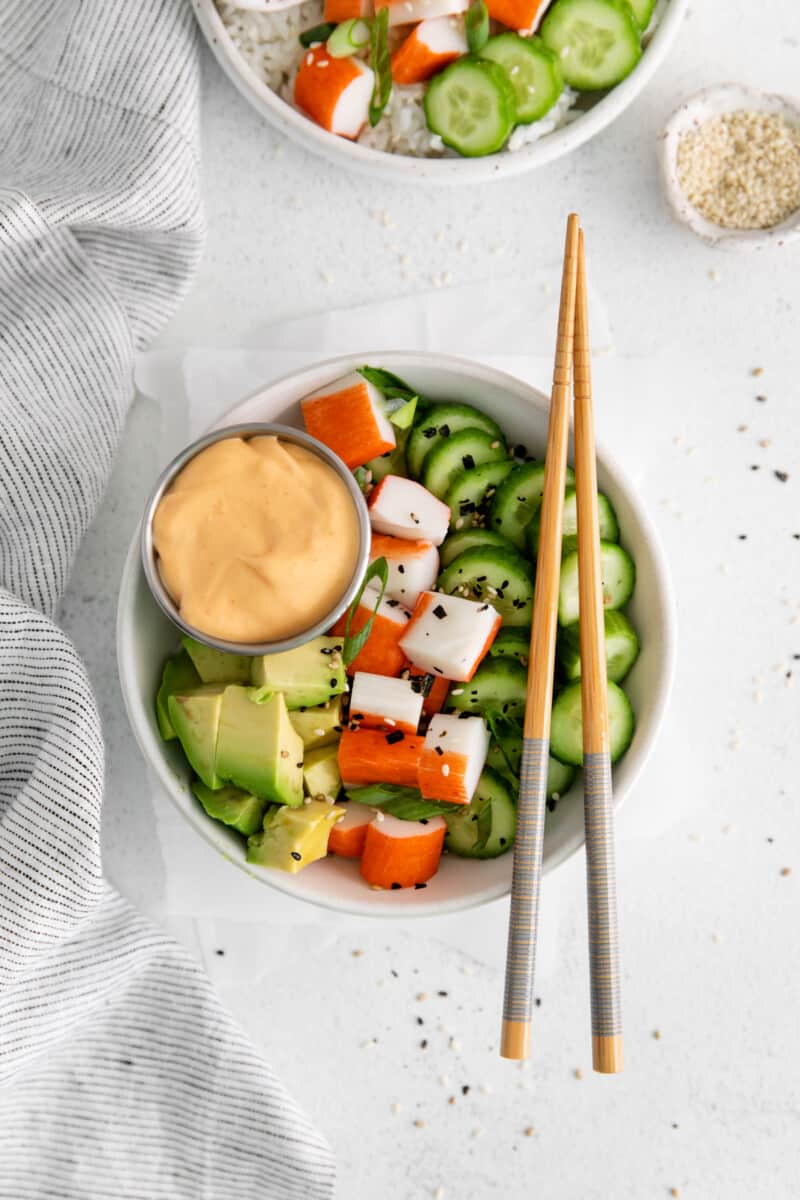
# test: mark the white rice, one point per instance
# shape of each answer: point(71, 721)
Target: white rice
point(269, 44)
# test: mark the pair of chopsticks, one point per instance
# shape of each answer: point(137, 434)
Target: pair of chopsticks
point(572, 358)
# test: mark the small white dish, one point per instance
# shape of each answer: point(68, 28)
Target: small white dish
point(601, 109)
point(145, 637)
point(703, 106)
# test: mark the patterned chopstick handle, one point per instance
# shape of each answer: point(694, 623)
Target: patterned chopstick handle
point(602, 896)
point(527, 878)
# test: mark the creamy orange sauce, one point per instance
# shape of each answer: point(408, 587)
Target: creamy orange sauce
point(256, 539)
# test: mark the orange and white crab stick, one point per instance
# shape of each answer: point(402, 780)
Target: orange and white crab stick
point(336, 93)
point(428, 48)
point(380, 702)
point(522, 15)
point(410, 12)
point(351, 830)
point(453, 757)
point(347, 10)
point(381, 653)
point(413, 566)
point(405, 509)
point(401, 854)
point(370, 756)
point(449, 636)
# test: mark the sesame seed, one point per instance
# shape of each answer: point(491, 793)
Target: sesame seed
point(657, 1034)
point(786, 871)
point(529, 1131)
point(578, 1073)
point(421, 996)
point(396, 1108)
point(419, 1124)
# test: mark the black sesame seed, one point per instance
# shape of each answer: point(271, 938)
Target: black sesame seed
point(782, 475)
point(394, 973)
point(393, 603)
point(417, 886)
point(395, 736)
point(440, 993)
point(439, 612)
point(423, 1044)
point(444, 431)
point(742, 537)
point(551, 805)
point(334, 683)
point(299, 766)
point(468, 461)
point(503, 841)
point(221, 953)
point(297, 857)
point(429, 432)
point(465, 1089)
point(338, 729)
point(396, 886)
point(438, 750)
point(466, 506)
point(423, 820)
point(761, 399)
point(357, 716)
point(520, 451)
point(420, 1021)
point(401, 568)
point(755, 467)
point(538, 1002)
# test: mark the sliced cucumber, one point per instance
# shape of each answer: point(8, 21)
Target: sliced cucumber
point(560, 778)
point(566, 724)
point(471, 493)
point(488, 573)
point(440, 421)
point(517, 501)
point(596, 41)
point(460, 452)
point(484, 828)
point(643, 11)
point(505, 756)
point(465, 539)
point(512, 642)
point(619, 579)
point(622, 647)
point(498, 683)
point(534, 71)
point(471, 106)
point(393, 462)
point(609, 526)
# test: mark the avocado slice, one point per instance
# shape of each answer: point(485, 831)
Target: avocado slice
point(318, 726)
point(233, 807)
point(321, 771)
point(257, 748)
point(179, 675)
point(307, 676)
point(294, 837)
point(195, 717)
point(214, 666)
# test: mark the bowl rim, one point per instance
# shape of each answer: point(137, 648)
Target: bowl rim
point(149, 556)
point(150, 744)
point(710, 101)
point(450, 171)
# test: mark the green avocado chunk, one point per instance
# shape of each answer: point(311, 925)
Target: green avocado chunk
point(258, 749)
point(308, 675)
point(318, 726)
point(179, 675)
point(233, 807)
point(293, 838)
point(321, 771)
point(195, 717)
point(214, 666)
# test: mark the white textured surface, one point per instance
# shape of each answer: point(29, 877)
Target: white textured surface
point(709, 923)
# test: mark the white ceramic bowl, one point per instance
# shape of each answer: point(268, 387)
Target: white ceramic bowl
point(145, 637)
point(703, 106)
point(604, 108)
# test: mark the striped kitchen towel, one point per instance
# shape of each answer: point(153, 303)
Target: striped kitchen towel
point(120, 1074)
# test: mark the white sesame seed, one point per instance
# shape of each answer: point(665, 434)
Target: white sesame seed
point(379, 816)
point(396, 1108)
point(445, 769)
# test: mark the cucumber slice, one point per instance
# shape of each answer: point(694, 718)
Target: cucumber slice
point(457, 453)
point(596, 41)
point(471, 492)
point(505, 756)
point(518, 499)
point(534, 71)
point(393, 462)
point(619, 579)
point(566, 724)
point(439, 421)
point(512, 642)
point(498, 683)
point(484, 828)
point(609, 526)
point(488, 573)
point(643, 11)
point(470, 104)
point(465, 539)
point(622, 647)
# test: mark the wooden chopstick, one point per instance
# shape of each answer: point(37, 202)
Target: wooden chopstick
point(597, 793)
point(520, 957)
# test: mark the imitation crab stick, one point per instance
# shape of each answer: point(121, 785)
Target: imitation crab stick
point(448, 635)
point(453, 757)
point(348, 416)
point(406, 509)
point(409, 12)
point(369, 756)
point(347, 10)
point(336, 93)
point(429, 47)
point(522, 15)
point(400, 854)
point(347, 836)
point(413, 566)
point(377, 701)
point(381, 653)
point(435, 693)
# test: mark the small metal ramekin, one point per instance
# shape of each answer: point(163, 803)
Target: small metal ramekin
point(150, 557)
